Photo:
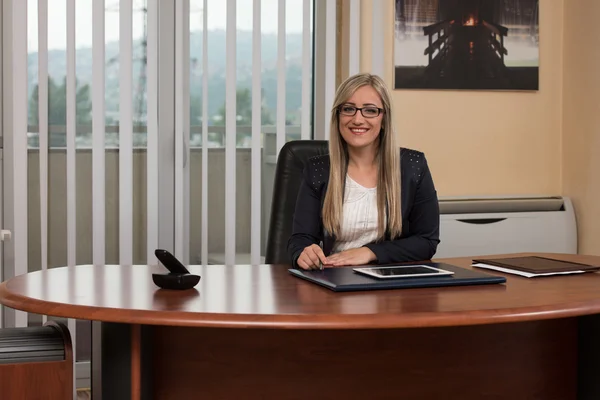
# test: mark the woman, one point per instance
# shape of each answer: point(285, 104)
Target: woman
point(367, 201)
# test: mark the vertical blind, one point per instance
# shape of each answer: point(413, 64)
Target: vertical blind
point(255, 206)
point(330, 61)
point(230, 133)
point(182, 154)
point(204, 187)
point(152, 205)
point(125, 132)
point(98, 128)
point(71, 161)
point(43, 129)
point(19, 142)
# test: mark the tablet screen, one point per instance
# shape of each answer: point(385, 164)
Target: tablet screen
point(403, 271)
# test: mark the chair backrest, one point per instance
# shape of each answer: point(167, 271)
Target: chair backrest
point(288, 176)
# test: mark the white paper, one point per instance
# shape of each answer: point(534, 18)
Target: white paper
point(525, 274)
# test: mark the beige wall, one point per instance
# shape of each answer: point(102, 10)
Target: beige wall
point(581, 119)
point(496, 143)
point(484, 143)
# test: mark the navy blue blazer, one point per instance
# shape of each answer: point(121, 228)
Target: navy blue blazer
point(419, 204)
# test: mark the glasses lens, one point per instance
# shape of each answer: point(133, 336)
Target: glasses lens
point(370, 112)
point(348, 110)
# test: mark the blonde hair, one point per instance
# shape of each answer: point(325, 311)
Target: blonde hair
point(388, 162)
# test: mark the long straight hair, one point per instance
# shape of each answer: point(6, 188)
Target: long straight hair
point(388, 163)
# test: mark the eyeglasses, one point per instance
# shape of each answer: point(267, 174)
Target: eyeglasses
point(367, 112)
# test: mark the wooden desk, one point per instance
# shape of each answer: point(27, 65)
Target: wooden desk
point(257, 332)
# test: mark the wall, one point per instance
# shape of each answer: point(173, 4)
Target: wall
point(484, 143)
point(581, 119)
point(494, 143)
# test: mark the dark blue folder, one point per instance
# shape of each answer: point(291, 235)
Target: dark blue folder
point(344, 279)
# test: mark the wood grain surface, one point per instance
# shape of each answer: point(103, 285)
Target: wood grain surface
point(528, 360)
point(267, 296)
point(40, 380)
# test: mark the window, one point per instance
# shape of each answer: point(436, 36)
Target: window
point(62, 212)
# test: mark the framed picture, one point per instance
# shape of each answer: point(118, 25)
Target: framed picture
point(466, 44)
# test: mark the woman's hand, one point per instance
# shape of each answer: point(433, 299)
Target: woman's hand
point(359, 256)
point(311, 257)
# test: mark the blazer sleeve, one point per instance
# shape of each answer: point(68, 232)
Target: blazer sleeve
point(306, 226)
point(421, 242)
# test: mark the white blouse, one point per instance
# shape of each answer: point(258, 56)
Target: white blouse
point(359, 220)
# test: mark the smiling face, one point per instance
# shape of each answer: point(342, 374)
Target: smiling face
point(359, 131)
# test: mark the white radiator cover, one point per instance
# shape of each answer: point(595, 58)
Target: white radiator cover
point(487, 226)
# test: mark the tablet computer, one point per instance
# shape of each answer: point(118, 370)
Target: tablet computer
point(402, 271)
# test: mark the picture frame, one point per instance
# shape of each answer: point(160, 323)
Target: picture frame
point(466, 44)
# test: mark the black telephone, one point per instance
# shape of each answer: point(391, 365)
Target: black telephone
point(170, 261)
point(178, 278)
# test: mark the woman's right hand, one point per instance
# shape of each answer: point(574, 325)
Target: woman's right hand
point(311, 257)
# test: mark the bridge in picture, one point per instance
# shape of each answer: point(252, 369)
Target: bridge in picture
point(463, 44)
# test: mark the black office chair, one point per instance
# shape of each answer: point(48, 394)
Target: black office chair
point(288, 175)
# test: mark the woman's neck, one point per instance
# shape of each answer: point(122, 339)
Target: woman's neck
point(362, 159)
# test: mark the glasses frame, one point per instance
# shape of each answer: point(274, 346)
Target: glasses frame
point(380, 111)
